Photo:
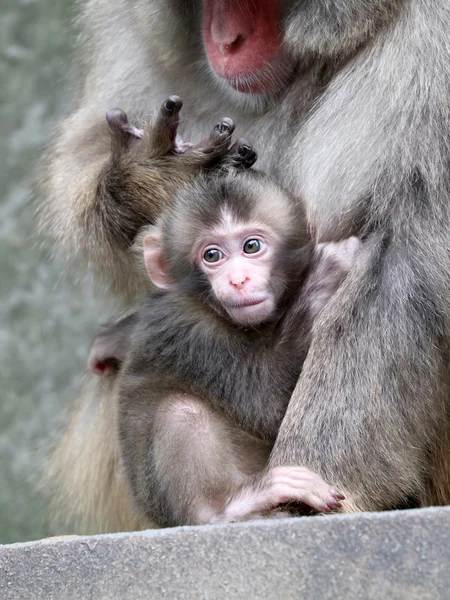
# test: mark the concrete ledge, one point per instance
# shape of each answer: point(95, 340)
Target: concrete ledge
point(380, 555)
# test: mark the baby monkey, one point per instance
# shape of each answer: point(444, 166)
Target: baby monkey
point(209, 364)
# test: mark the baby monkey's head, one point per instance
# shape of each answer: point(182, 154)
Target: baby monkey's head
point(236, 241)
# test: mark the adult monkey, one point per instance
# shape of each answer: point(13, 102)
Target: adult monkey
point(352, 100)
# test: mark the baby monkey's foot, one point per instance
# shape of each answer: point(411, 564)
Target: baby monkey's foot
point(300, 485)
point(160, 137)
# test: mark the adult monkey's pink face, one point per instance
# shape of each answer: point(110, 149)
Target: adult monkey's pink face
point(243, 43)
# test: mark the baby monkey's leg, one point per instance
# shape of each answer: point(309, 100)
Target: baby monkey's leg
point(207, 471)
point(198, 460)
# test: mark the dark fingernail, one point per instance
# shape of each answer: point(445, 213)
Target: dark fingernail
point(243, 150)
point(222, 127)
point(225, 126)
point(337, 494)
point(335, 504)
point(172, 103)
point(169, 105)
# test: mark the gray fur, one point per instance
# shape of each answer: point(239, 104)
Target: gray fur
point(363, 135)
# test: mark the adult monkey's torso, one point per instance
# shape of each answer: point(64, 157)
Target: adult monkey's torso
point(365, 142)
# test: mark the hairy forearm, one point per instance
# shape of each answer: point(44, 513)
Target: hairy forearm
point(116, 181)
point(364, 412)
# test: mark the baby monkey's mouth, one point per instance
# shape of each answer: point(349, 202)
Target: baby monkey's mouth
point(250, 312)
point(248, 303)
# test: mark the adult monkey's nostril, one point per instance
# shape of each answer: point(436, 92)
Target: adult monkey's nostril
point(231, 23)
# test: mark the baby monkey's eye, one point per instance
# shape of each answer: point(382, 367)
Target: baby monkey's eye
point(253, 246)
point(212, 255)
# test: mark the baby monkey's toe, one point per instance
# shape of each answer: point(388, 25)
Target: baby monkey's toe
point(124, 134)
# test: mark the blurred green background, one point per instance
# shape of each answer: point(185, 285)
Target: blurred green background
point(45, 323)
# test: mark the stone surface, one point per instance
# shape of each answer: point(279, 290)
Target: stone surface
point(397, 555)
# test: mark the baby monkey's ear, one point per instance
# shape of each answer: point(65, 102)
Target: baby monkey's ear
point(154, 258)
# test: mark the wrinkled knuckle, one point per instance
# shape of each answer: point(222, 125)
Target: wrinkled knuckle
point(277, 472)
point(279, 493)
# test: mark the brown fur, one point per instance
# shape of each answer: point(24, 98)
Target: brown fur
point(107, 505)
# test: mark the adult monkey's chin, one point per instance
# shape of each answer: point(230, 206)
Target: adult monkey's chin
point(243, 44)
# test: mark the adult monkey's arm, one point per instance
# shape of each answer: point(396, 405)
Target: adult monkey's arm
point(123, 64)
point(125, 186)
point(370, 411)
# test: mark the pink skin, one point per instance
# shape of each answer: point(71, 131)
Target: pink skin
point(100, 367)
point(240, 279)
point(243, 43)
point(279, 486)
point(103, 360)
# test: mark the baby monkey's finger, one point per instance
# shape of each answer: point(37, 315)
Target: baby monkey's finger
point(337, 494)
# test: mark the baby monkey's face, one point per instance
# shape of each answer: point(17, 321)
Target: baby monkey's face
point(237, 258)
point(234, 241)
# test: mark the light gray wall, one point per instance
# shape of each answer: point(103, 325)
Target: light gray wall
point(44, 324)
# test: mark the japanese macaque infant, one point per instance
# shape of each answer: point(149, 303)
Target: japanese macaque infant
point(207, 366)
